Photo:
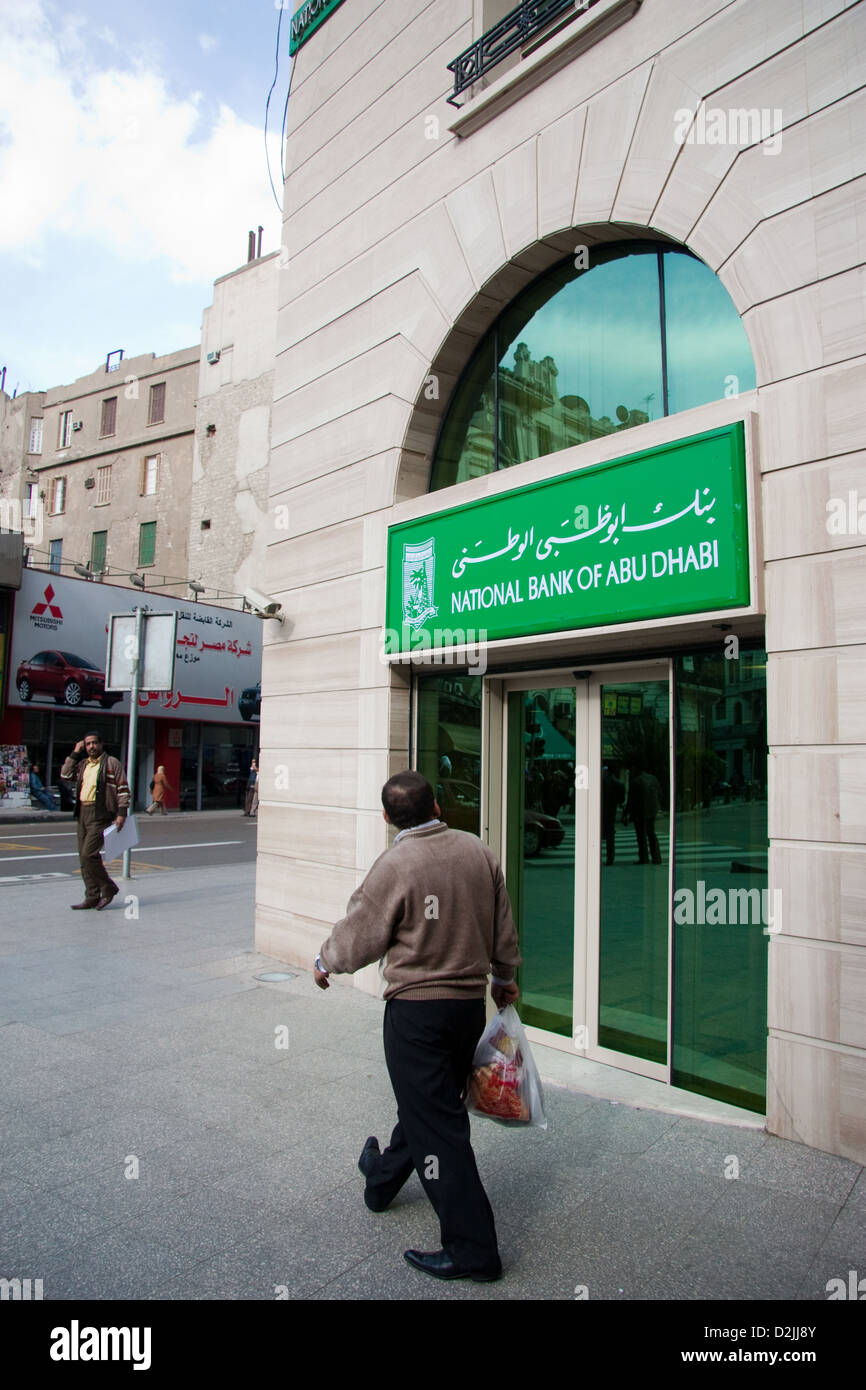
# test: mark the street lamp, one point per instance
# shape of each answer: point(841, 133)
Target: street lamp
point(137, 580)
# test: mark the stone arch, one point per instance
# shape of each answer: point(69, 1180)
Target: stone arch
point(437, 383)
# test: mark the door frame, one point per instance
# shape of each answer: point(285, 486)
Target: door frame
point(591, 899)
point(587, 837)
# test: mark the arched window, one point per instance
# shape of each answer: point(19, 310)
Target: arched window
point(645, 330)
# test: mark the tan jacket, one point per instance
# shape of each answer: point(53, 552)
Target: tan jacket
point(436, 903)
point(161, 785)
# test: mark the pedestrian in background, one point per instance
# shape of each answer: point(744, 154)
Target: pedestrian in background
point(641, 808)
point(102, 798)
point(37, 789)
point(251, 805)
point(612, 797)
point(158, 788)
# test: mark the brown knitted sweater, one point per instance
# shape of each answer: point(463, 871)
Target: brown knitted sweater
point(436, 903)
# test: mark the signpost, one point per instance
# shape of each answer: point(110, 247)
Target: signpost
point(141, 650)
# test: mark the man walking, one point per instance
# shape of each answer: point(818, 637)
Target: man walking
point(641, 808)
point(612, 797)
point(102, 797)
point(436, 902)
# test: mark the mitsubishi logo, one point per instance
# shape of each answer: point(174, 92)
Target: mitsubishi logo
point(39, 608)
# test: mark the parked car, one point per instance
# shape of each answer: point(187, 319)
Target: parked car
point(70, 679)
point(459, 804)
point(250, 702)
point(540, 832)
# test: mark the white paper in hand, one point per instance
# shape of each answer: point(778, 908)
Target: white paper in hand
point(115, 842)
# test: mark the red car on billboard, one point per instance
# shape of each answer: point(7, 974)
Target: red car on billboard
point(70, 679)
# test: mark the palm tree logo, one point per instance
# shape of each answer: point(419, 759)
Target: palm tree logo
point(418, 564)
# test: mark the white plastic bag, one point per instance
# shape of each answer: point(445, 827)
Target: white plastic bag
point(504, 1084)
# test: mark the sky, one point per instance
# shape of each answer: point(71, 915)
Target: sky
point(132, 166)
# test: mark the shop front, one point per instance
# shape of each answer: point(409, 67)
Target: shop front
point(601, 721)
point(57, 692)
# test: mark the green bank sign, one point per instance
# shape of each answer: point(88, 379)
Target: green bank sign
point(306, 20)
point(653, 535)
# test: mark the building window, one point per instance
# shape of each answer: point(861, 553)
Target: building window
point(64, 431)
point(35, 436)
point(109, 416)
point(146, 543)
point(156, 413)
point(103, 485)
point(643, 332)
point(98, 546)
point(150, 475)
point(58, 496)
point(55, 552)
point(507, 26)
point(31, 501)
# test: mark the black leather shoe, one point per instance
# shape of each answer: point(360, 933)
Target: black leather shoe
point(369, 1156)
point(88, 902)
point(106, 900)
point(441, 1266)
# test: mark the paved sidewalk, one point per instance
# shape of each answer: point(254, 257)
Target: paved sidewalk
point(144, 1043)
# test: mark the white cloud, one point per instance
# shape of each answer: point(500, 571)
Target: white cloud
point(111, 155)
point(208, 42)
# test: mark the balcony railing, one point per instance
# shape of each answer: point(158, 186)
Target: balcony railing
point(511, 33)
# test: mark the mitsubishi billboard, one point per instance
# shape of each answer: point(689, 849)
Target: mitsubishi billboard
point(59, 644)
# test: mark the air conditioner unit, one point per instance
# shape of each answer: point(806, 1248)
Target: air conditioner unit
point(78, 424)
point(213, 357)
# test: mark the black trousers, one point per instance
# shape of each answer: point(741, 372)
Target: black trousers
point(645, 829)
point(429, 1045)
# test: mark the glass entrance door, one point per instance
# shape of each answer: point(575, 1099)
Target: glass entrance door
point(627, 900)
point(540, 848)
point(586, 838)
point(639, 874)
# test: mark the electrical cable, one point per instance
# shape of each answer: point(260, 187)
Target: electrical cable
point(283, 127)
point(267, 105)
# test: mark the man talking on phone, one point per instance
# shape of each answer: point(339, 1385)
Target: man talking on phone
point(102, 799)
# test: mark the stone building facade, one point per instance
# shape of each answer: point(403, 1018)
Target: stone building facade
point(412, 227)
point(107, 461)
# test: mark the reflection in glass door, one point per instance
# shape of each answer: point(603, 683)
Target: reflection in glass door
point(540, 849)
point(642, 898)
point(633, 933)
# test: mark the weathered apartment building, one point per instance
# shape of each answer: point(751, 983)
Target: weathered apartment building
point(151, 471)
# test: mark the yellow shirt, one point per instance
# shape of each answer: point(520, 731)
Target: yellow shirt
point(88, 781)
